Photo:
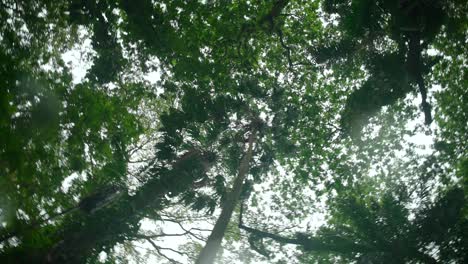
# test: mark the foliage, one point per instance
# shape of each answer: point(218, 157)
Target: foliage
point(329, 87)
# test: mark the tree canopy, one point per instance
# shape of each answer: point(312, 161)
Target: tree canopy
point(283, 131)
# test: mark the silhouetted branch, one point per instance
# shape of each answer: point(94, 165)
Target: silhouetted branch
point(158, 249)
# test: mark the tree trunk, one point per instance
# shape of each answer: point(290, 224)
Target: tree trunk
point(208, 253)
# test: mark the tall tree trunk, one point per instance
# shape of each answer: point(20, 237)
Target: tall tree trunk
point(208, 253)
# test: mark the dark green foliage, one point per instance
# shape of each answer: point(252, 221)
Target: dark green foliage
point(369, 22)
point(379, 231)
point(387, 84)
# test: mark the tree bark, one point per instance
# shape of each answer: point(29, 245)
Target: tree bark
point(208, 253)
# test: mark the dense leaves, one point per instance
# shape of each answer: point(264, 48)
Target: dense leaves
point(114, 114)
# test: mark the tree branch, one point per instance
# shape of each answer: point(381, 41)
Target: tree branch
point(262, 234)
point(286, 47)
point(158, 249)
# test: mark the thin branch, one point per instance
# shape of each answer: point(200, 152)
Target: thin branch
point(286, 47)
point(158, 235)
point(173, 250)
point(187, 219)
point(140, 147)
point(140, 160)
point(189, 231)
point(158, 249)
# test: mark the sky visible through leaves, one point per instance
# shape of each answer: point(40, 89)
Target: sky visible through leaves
point(76, 59)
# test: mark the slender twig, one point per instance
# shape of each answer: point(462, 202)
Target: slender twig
point(140, 160)
point(140, 147)
point(159, 235)
point(189, 231)
point(158, 249)
point(173, 250)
